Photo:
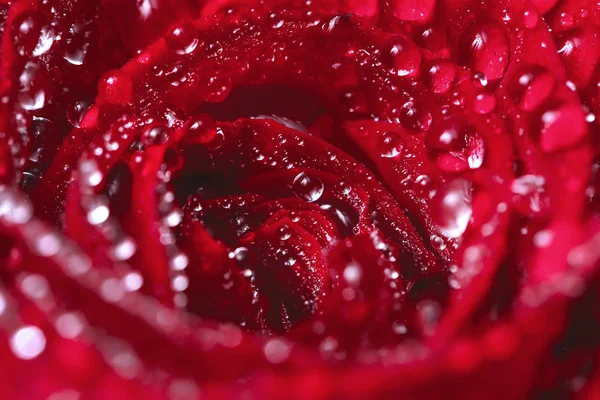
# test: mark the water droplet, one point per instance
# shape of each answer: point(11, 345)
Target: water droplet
point(76, 56)
point(353, 274)
point(47, 244)
point(155, 134)
point(531, 86)
point(183, 389)
point(219, 87)
point(530, 18)
point(390, 145)
point(399, 329)
point(69, 325)
point(284, 232)
point(441, 75)
point(15, 208)
point(544, 238)
point(290, 261)
point(179, 262)
point(112, 290)
point(403, 56)
point(133, 281)
point(180, 283)
point(306, 187)
point(45, 42)
point(201, 129)
point(28, 342)
point(77, 43)
point(363, 57)
point(578, 50)
point(98, 212)
point(76, 111)
point(485, 49)
point(429, 313)
point(530, 194)
point(454, 145)
point(558, 119)
point(415, 117)
point(419, 12)
point(437, 242)
point(566, 20)
point(65, 394)
point(183, 39)
point(451, 208)
point(214, 49)
point(484, 103)
point(277, 351)
point(26, 30)
point(34, 92)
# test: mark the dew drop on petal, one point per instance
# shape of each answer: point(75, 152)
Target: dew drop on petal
point(452, 209)
point(200, 129)
point(69, 325)
point(183, 39)
point(124, 249)
point(277, 351)
point(133, 281)
point(307, 187)
point(390, 145)
point(28, 342)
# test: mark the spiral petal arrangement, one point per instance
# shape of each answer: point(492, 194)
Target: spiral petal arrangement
point(299, 199)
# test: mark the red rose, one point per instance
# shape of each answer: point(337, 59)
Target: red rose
point(335, 199)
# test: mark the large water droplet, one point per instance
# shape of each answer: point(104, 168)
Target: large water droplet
point(415, 117)
point(419, 11)
point(15, 208)
point(25, 31)
point(562, 125)
point(284, 232)
point(183, 39)
point(529, 194)
point(98, 211)
point(200, 129)
point(451, 208)
point(580, 51)
point(78, 43)
point(530, 18)
point(76, 111)
point(155, 134)
point(484, 103)
point(403, 56)
point(34, 91)
point(277, 351)
point(28, 342)
point(307, 187)
point(531, 86)
point(485, 49)
point(454, 145)
point(441, 75)
point(390, 145)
